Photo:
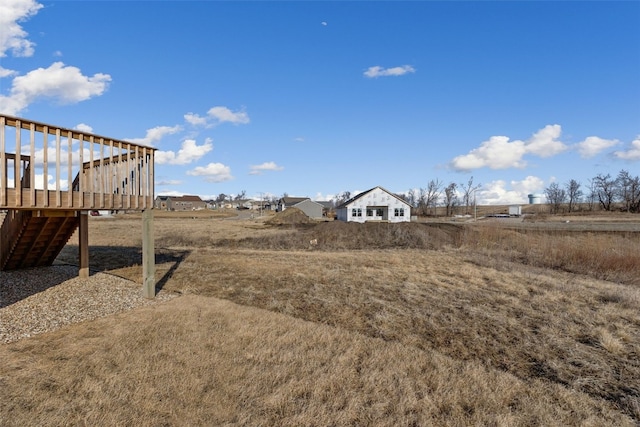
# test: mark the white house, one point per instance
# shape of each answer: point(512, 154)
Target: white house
point(376, 204)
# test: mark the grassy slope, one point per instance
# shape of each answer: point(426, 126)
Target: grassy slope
point(378, 337)
point(205, 361)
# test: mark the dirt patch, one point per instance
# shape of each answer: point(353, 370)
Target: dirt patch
point(290, 216)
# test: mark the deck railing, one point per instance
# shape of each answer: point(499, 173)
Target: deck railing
point(49, 167)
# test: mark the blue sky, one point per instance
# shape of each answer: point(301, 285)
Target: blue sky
point(317, 98)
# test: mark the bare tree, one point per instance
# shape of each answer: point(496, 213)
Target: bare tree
point(409, 197)
point(605, 190)
point(574, 194)
point(342, 197)
point(241, 195)
point(555, 196)
point(451, 197)
point(432, 194)
point(467, 190)
point(629, 191)
point(419, 200)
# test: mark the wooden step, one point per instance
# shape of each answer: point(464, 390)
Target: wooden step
point(39, 240)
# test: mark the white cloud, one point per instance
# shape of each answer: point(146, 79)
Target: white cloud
point(299, 139)
point(12, 36)
point(217, 115)
point(84, 128)
point(213, 172)
point(7, 73)
point(64, 84)
point(189, 152)
point(39, 181)
point(593, 145)
point(500, 193)
point(223, 114)
point(64, 154)
point(266, 166)
point(324, 23)
point(169, 182)
point(501, 153)
point(496, 153)
point(319, 197)
point(172, 193)
point(51, 184)
point(378, 71)
point(544, 143)
point(633, 153)
point(531, 184)
point(195, 119)
point(155, 134)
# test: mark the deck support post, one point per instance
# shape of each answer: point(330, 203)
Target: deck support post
point(83, 244)
point(148, 255)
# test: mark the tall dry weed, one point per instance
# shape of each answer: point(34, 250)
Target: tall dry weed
point(607, 256)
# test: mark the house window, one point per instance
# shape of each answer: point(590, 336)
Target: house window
point(379, 212)
point(369, 212)
point(356, 212)
point(399, 212)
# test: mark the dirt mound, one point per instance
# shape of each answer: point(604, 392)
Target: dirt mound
point(289, 216)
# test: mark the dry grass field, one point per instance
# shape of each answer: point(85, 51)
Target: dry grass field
point(283, 322)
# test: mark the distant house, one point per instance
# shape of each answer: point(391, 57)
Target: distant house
point(305, 204)
point(179, 203)
point(376, 204)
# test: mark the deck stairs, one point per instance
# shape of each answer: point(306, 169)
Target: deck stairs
point(42, 205)
point(34, 238)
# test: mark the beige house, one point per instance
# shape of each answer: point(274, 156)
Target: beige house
point(179, 203)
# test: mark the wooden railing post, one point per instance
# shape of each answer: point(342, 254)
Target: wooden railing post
point(3, 165)
point(17, 179)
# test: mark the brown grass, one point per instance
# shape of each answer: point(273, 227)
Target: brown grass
point(612, 256)
point(369, 326)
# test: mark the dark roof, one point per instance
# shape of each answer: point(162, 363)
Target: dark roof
point(186, 198)
point(290, 201)
point(368, 191)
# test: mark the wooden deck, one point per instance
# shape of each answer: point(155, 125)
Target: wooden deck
point(50, 177)
point(47, 167)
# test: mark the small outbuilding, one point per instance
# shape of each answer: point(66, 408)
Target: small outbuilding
point(376, 204)
point(515, 210)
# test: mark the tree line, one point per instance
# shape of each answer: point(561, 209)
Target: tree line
point(621, 192)
point(609, 193)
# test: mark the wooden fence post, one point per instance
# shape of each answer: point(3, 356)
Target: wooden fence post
point(148, 255)
point(83, 244)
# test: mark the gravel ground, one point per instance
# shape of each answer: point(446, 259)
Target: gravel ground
point(38, 300)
